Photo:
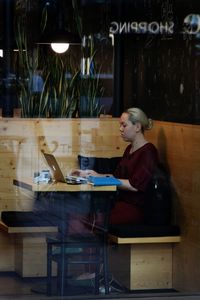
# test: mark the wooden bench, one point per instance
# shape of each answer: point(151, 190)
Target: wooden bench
point(30, 248)
point(142, 262)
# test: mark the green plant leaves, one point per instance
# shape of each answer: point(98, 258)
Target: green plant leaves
point(64, 86)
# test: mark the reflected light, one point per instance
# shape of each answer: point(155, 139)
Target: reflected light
point(111, 35)
point(17, 50)
point(1, 53)
point(59, 47)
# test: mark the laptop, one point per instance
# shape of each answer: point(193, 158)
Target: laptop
point(57, 173)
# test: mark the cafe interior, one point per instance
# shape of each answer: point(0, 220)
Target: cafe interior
point(68, 70)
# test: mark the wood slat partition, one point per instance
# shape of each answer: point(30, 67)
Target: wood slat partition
point(21, 141)
point(179, 147)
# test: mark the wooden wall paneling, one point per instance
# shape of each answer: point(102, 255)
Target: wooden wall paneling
point(30, 256)
point(142, 266)
point(151, 266)
point(6, 252)
point(179, 148)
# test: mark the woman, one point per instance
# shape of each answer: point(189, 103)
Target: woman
point(135, 168)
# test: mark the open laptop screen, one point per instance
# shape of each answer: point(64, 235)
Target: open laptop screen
point(52, 163)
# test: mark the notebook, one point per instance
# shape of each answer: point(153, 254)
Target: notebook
point(57, 173)
point(105, 180)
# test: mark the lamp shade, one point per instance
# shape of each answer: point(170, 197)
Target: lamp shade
point(60, 40)
point(61, 36)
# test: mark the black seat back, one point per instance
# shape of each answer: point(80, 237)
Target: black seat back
point(158, 200)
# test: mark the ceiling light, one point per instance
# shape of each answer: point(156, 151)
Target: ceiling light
point(59, 47)
point(62, 39)
point(59, 37)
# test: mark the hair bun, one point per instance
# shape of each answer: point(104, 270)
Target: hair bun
point(137, 115)
point(150, 124)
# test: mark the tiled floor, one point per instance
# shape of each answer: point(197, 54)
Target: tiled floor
point(14, 287)
point(11, 284)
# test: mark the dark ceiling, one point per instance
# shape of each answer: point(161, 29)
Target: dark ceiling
point(95, 15)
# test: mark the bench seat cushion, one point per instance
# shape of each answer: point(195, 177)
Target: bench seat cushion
point(132, 230)
point(25, 219)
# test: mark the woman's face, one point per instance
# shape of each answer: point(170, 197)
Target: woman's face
point(127, 129)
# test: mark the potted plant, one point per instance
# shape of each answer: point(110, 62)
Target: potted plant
point(66, 91)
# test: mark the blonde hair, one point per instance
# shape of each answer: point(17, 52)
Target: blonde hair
point(137, 115)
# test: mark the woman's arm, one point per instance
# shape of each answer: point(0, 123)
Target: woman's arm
point(86, 173)
point(126, 186)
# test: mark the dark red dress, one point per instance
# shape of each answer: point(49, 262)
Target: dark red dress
point(138, 167)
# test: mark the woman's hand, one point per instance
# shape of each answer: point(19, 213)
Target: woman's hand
point(83, 173)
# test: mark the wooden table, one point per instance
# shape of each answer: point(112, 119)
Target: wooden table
point(60, 186)
point(30, 242)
